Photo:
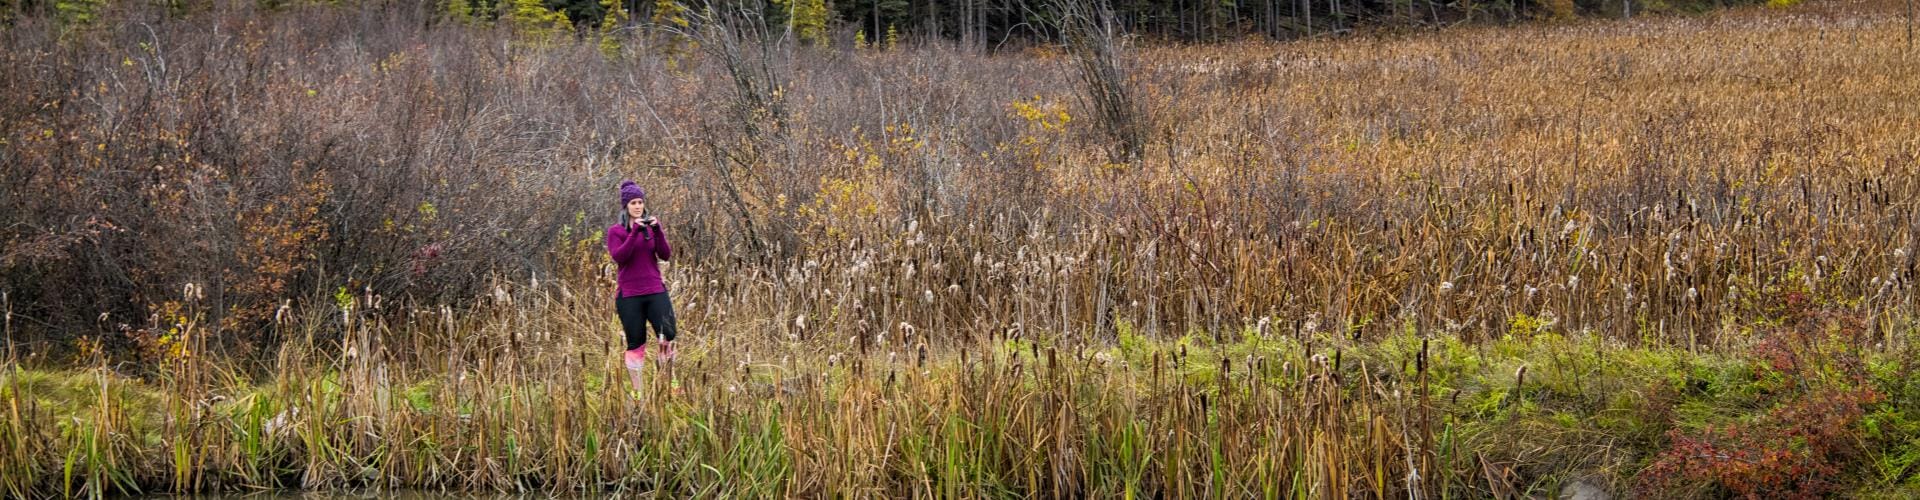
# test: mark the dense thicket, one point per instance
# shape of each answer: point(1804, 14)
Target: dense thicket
point(994, 23)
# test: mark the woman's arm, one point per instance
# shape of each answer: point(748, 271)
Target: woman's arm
point(621, 244)
point(661, 250)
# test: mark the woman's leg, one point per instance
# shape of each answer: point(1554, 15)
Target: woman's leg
point(633, 323)
point(659, 311)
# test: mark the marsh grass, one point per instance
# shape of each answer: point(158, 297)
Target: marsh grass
point(1473, 263)
point(499, 403)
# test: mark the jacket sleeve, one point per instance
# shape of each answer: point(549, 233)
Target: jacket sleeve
point(661, 249)
point(620, 245)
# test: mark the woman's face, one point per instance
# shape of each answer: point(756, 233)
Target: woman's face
point(636, 207)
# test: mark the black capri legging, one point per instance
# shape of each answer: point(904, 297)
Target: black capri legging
point(639, 310)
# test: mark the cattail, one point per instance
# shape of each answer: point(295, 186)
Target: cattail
point(1420, 360)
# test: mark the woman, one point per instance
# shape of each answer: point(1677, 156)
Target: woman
point(638, 245)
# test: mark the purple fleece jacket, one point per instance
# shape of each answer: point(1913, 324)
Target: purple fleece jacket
point(637, 253)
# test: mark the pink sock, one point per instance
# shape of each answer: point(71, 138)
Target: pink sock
point(637, 358)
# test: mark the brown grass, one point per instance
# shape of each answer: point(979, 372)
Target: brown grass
point(959, 295)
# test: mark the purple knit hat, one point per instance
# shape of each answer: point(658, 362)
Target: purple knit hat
point(629, 191)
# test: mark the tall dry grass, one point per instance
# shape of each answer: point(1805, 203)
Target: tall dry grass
point(524, 393)
point(523, 396)
point(953, 291)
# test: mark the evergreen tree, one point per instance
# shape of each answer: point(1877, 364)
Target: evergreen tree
point(78, 13)
point(873, 16)
point(672, 16)
point(537, 23)
point(587, 13)
point(807, 19)
point(615, 17)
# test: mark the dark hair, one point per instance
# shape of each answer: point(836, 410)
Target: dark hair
point(625, 219)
